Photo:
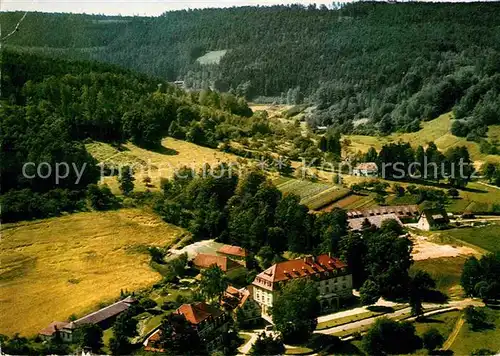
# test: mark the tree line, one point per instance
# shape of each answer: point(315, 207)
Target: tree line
point(400, 161)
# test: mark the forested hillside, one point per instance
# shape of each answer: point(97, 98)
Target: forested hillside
point(50, 107)
point(393, 64)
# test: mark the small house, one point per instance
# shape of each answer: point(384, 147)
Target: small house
point(433, 219)
point(368, 169)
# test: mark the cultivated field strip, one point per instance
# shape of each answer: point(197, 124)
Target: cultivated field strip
point(312, 194)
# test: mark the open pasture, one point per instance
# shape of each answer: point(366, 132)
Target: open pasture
point(57, 267)
point(161, 163)
point(312, 194)
point(437, 130)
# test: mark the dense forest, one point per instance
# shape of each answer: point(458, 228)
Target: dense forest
point(393, 64)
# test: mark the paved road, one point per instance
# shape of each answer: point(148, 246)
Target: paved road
point(349, 312)
point(461, 304)
point(245, 349)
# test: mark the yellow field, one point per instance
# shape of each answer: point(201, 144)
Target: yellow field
point(274, 111)
point(437, 130)
point(53, 268)
point(161, 163)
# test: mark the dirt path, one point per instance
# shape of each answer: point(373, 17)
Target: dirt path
point(245, 349)
point(454, 334)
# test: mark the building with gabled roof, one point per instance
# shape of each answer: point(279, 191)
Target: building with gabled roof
point(367, 169)
point(203, 260)
point(436, 218)
point(103, 317)
point(377, 220)
point(197, 313)
point(331, 275)
point(235, 252)
point(210, 323)
point(52, 329)
point(401, 211)
point(235, 299)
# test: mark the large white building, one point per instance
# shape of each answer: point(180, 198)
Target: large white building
point(331, 275)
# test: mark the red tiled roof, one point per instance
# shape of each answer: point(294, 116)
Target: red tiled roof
point(151, 342)
point(203, 260)
point(51, 329)
point(197, 312)
point(234, 298)
point(233, 251)
point(297, 269)
point(368, 166)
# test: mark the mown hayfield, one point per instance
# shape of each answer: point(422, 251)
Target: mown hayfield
point(444, 323)
point(162, 163)
point(351, 202)
point(445, 271)
point(67, 265)
point(326, 197)
point(478, 198)
point(312, 194)
point(468, 341)
point(437, 130)
point(485, 237)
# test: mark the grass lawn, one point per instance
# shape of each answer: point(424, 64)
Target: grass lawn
point(68, 265)
point(245, 337)
point(347, 319)
point(106, 336)
point(173, 155)
point(485, 237)
point(445, 271)
point(150, 323)
point(477, 198)
point(298, 351)
point(437, 130)
point(444, 323)
point(468, 341)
